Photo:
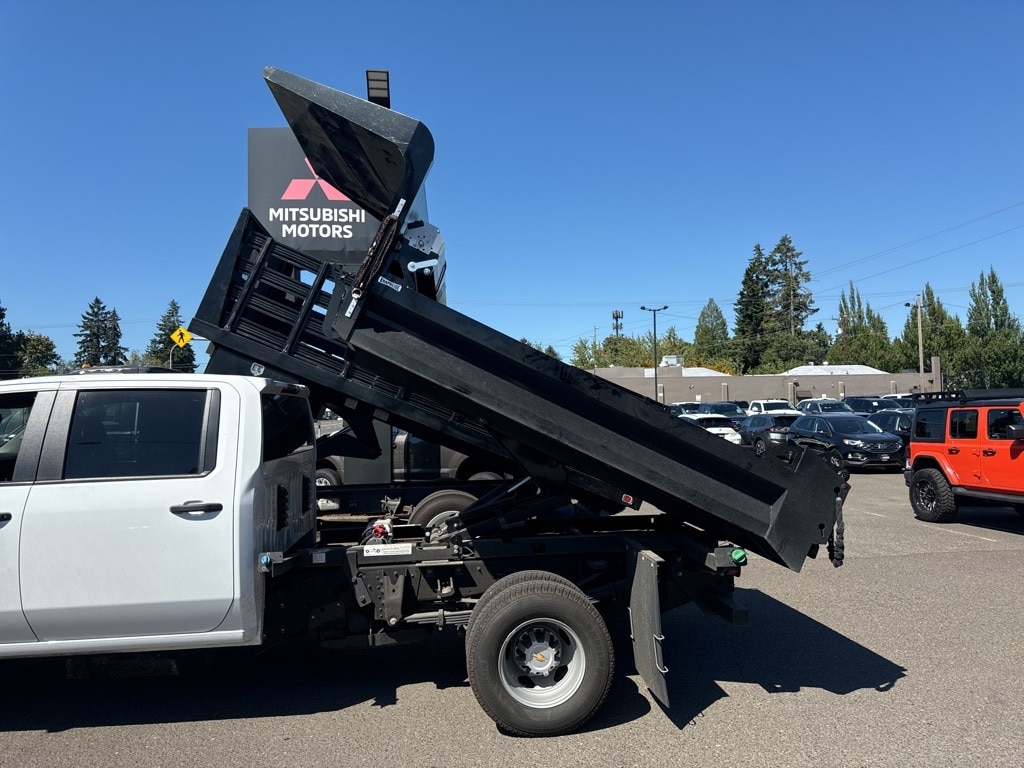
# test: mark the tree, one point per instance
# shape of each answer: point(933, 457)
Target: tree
point(10, 344)
point(863, 337)
point(773, 301)
point(785, 351)
point(163, 350)
point(942, 334)
point(99, 339)
point(750, 310)
point(548, 350)
point(711, 334)
point(788, 276)
point(991, 355)
point(39, 355)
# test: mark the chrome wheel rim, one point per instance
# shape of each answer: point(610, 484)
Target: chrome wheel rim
point(542, 663)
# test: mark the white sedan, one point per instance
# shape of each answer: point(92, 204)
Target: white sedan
point(716, 424)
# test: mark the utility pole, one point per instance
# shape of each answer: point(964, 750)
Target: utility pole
point(920, 344)
point(655, 313)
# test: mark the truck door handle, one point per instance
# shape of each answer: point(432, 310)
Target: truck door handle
point(989, 452)
point(196, 507)
point(953, 450)
point(5, 517)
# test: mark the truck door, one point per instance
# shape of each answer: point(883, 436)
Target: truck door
point(1002, 458)
point(17, 467)
point(128, 530)
point(964, 447)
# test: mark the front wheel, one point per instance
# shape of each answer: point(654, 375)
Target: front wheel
point(931, 497)
point(539, 657)
point(326, 476)
point(759, 446)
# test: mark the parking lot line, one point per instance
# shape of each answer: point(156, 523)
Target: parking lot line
point(972, 535)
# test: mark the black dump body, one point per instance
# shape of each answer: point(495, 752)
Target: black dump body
point(378, 344)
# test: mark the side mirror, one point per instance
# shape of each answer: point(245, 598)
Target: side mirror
point(1015, 432)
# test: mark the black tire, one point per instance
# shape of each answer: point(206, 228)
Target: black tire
point(539, 658)
point(438, 503)
point(759, 446)
point(1019, 508)
point(512, 579)
point(485, 476)
point(931, 497)
point(327, 476)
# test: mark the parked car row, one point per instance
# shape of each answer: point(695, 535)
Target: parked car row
point(830, 427)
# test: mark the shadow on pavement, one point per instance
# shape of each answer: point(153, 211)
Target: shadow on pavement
point(784, 651)
point(1005, 519)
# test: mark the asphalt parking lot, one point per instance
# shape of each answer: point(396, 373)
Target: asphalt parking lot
point(908, 655)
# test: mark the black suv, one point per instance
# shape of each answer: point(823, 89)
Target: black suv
point(848, 440)
point(966, 446)
point(765, 430)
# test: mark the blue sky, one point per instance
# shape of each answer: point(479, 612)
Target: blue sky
point(590, 157)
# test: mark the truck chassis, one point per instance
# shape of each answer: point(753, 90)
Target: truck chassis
point(533, 569)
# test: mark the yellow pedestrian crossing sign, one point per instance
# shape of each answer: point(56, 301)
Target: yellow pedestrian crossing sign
point(181, 336)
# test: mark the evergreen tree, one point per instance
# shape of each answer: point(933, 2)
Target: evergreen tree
point(863, 337)
point(711, 335)
point(39, 355)
point(99, 337)
point(788, 276)
point(750, 311)
point(163, 351)
point(992, 355)
point(942, 334)
point(10, 344)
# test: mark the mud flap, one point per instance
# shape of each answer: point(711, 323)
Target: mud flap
point(645, 623)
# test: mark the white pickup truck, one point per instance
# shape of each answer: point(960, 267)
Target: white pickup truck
point(134, 508)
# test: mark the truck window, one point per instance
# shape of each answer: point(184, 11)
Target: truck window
point(999, 419)
point(963, 425)
point(287, 426)
point(14, 411)
point(136, 433)
point(930, 425)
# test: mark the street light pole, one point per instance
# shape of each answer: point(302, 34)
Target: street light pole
point(655, 312)
point(920, 344)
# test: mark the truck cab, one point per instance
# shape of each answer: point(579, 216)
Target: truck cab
point(133, 508)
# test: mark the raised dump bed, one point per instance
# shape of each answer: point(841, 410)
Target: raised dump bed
point(379, 344)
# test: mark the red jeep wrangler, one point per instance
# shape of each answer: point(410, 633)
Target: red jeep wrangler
point(966, 447)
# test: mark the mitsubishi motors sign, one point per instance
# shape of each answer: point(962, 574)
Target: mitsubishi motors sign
point(300, 209)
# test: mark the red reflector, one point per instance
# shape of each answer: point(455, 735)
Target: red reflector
point(626, 499)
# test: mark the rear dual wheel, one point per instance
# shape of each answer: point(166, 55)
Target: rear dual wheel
point(538, 654)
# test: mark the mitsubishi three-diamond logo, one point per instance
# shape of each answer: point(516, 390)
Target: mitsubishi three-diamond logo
point(299, 189)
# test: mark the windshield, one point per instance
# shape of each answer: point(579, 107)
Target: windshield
point(779, 405)
point(713, 421)
point(853, 425)
point(835, 407)
point(727, 408)
point(867, 405)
